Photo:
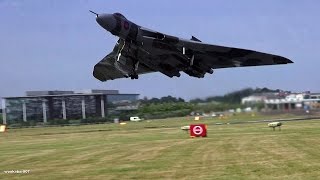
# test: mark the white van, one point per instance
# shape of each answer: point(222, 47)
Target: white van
point(135, 119)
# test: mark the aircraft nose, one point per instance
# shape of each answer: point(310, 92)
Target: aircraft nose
point(107, 21)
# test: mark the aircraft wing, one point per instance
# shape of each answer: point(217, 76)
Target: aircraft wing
point(105, 69)
point(167, 57)
point(216, 57)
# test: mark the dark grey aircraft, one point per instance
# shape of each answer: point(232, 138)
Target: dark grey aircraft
point(140, 50)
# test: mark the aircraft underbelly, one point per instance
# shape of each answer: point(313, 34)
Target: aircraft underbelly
point(124, 65)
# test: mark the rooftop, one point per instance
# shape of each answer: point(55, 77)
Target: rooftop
point(57, 93)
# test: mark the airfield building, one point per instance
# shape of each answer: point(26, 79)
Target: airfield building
point(294, 101)
point(41, 106)
point(286, 102)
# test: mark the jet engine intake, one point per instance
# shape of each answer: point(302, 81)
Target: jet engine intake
point(192, 71)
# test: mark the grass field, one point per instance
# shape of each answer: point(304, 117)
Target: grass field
point(160, 150)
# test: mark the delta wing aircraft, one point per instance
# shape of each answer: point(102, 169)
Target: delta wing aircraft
point(140, 50)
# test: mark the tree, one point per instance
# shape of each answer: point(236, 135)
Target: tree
point(165, 99)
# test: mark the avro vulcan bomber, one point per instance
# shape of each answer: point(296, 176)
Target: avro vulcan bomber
point(140, 50)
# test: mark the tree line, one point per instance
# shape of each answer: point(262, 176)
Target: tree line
point(232, 97)
point(169, 106)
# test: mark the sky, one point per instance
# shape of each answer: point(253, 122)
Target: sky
point(53, 45)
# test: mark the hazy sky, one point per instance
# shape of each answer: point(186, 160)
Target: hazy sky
point(53, 45)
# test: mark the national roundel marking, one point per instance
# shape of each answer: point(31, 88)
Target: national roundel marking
point(126, 25)
point(197, 130)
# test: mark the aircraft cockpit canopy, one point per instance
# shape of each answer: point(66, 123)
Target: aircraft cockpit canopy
point(119, 15)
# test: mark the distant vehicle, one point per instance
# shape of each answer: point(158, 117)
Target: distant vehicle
point(275, 124)
point(135, 119)
point(248, 109)
point(217, 114)
point(185, 128)
point(140, 50)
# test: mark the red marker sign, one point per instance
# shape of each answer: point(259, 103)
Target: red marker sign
point(198, 130)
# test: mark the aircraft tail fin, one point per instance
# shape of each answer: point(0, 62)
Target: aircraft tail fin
point(195, 39)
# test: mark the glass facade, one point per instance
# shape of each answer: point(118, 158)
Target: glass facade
point(14, 111)
point(69, 105)
point(55, 104)
point(32, 107)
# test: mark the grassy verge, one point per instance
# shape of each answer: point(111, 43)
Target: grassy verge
point(160, 150)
